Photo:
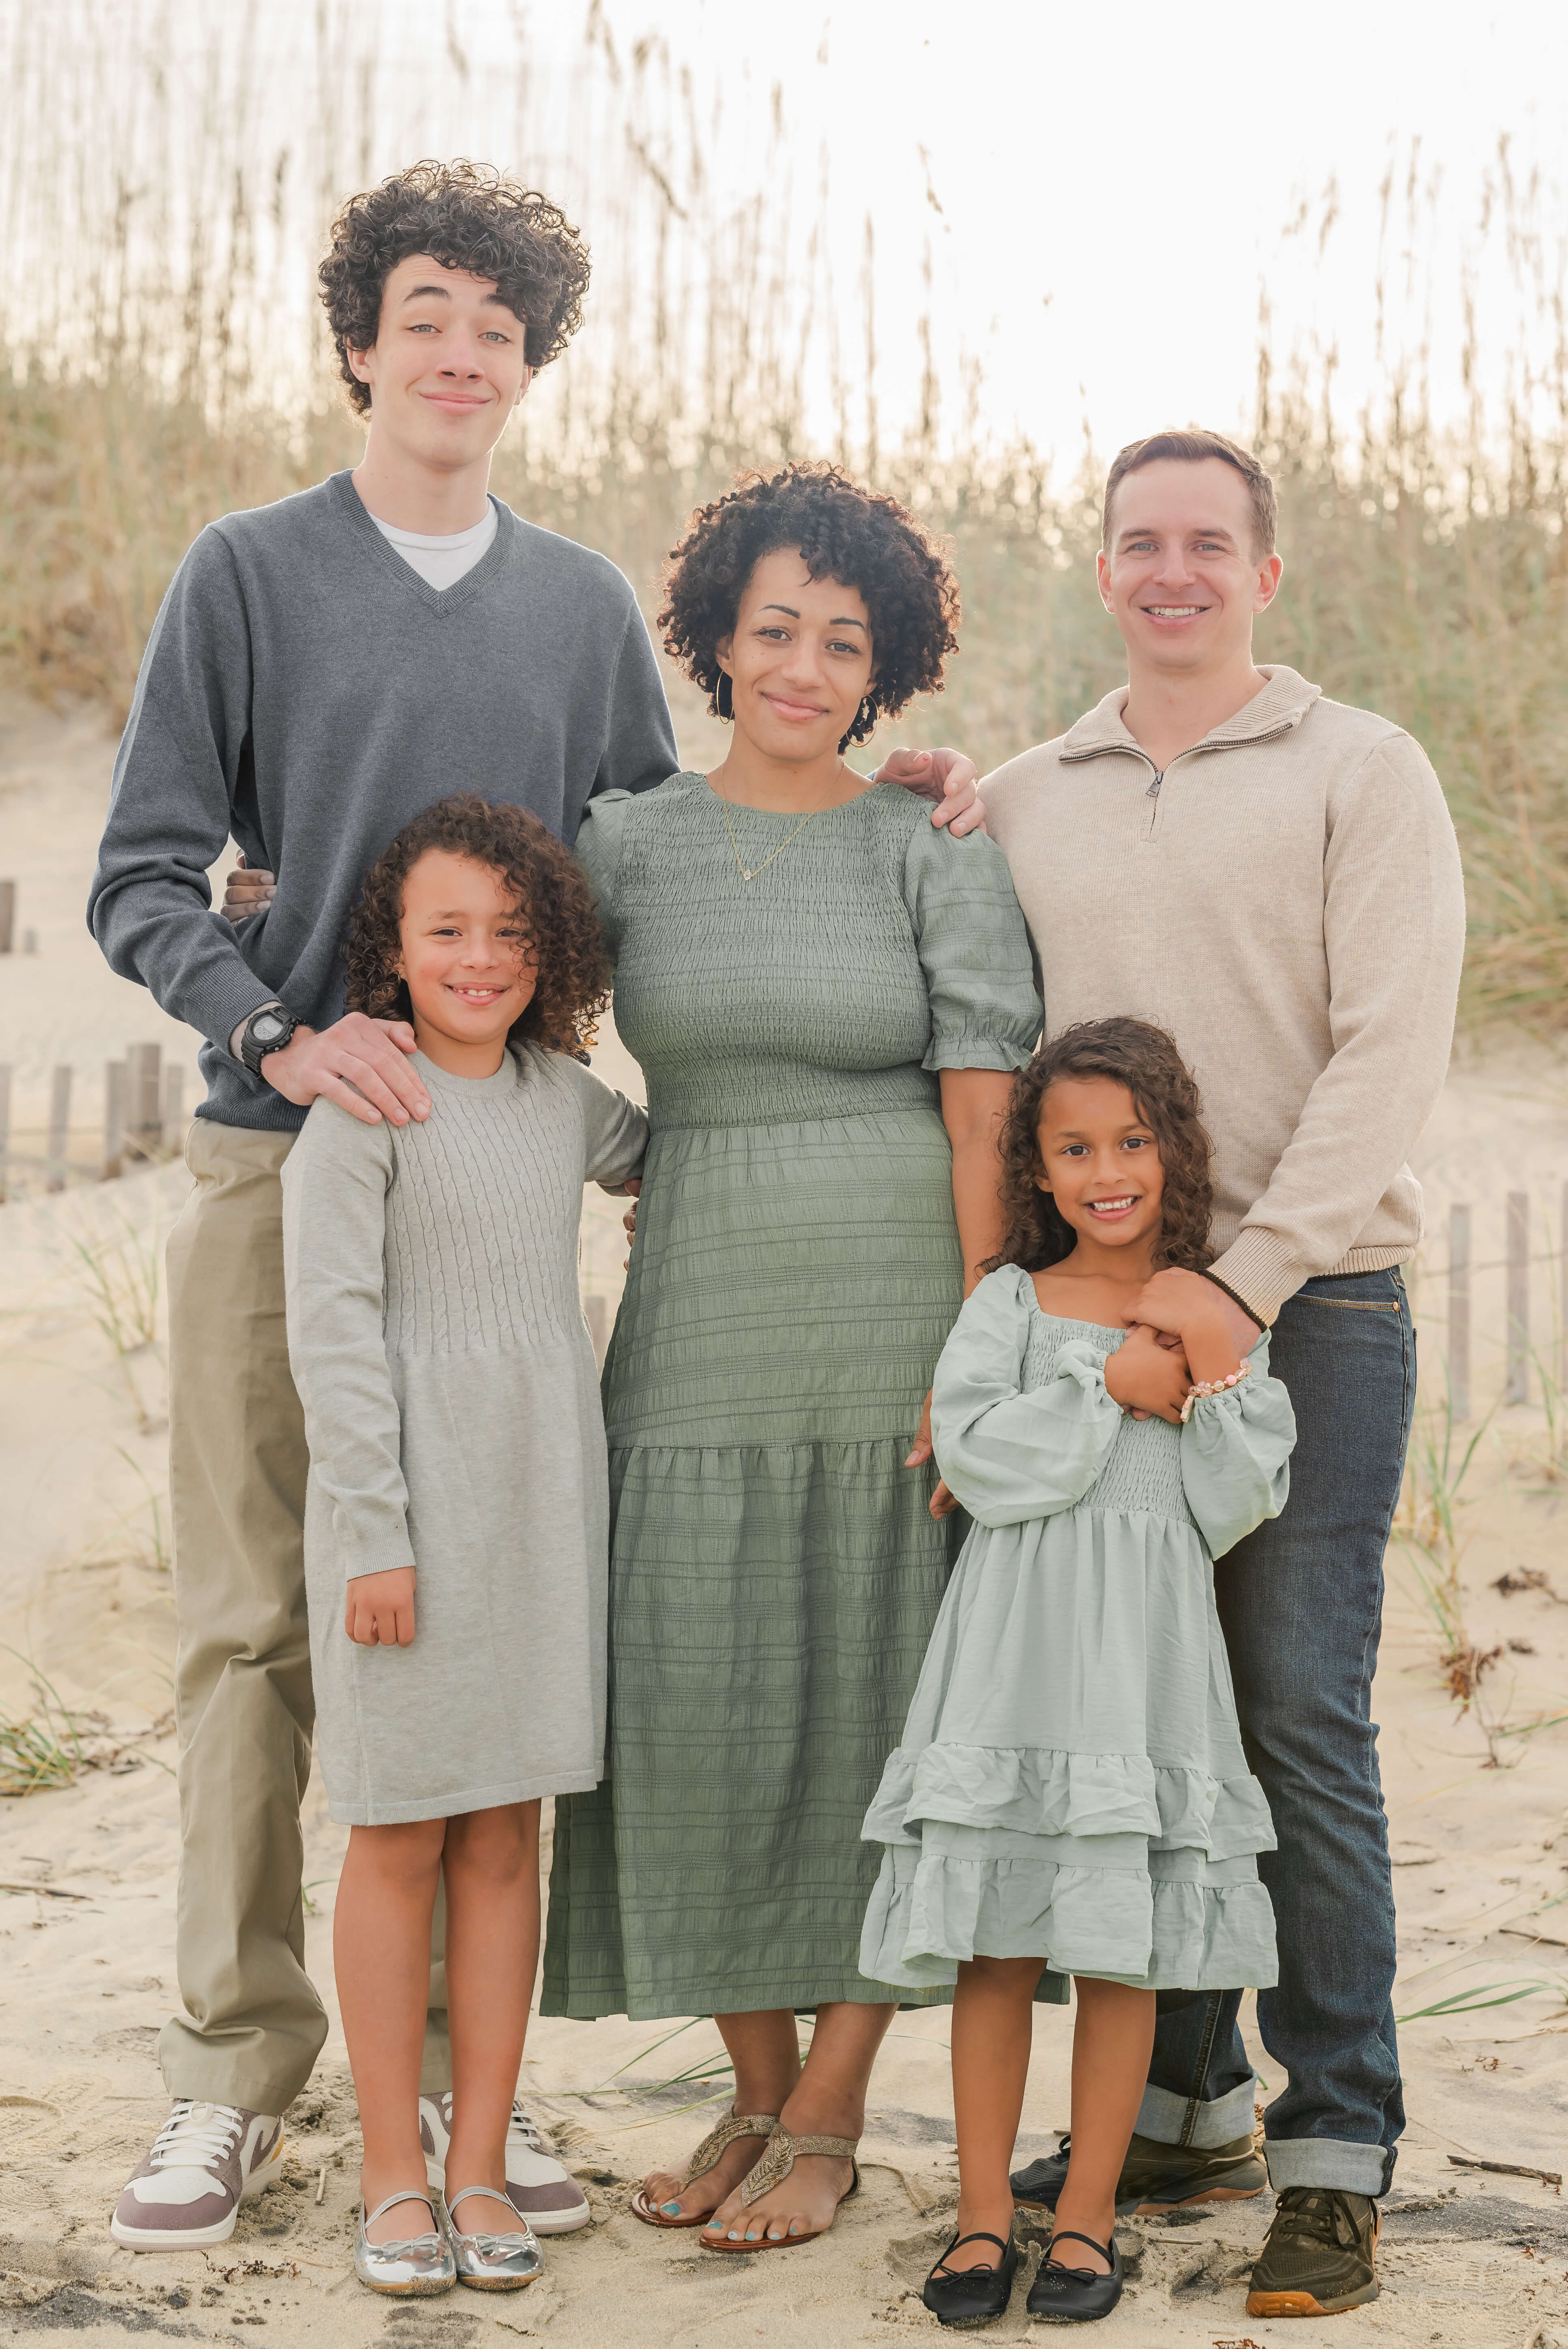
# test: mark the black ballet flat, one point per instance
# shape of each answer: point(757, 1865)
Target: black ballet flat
point(1076, 2295)
point(972, 2295)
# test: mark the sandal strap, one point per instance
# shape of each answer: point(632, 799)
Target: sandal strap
point(781, 2156)
point(718, 2141)
point(467, 2193)
point(406, 2194)
point(1072, 2235)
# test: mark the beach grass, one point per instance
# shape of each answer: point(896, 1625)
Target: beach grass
point(165, 368)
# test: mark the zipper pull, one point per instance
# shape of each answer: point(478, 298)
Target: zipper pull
point(1153, 791)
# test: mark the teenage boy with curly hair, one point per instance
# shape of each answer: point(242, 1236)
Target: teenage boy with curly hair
point(321, 671)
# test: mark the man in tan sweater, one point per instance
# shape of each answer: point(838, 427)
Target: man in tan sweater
point(1275, 879)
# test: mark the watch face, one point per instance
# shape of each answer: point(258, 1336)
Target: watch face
point(266, 1026)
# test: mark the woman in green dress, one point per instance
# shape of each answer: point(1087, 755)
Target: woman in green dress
point(828, 996)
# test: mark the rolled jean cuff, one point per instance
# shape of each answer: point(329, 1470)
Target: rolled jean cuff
point(1164, 2116)
point(1329, 2161)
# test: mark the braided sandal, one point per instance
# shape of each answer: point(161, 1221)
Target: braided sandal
point(707, 2156)
point(773, 2169)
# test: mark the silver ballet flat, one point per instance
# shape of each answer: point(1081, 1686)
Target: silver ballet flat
point(414, 2268)
point(502, 2262)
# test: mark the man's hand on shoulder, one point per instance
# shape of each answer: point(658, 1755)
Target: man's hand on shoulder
point(362, 1064)
point(946, 776)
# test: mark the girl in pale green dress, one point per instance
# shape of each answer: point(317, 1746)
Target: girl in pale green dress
point(829, 997)
point(1070, 1788)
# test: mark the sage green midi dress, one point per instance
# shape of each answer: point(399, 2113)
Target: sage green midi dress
point(775, 1574)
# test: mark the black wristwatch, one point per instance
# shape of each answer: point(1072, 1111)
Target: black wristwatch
point(266, 1031)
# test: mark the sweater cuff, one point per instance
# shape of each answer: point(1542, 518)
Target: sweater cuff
point(378, 1547)
point(1260, 1272)
point(234, 995)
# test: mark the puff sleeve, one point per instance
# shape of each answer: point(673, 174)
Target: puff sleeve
point(1010, 1455)
point(1235, 1455)
point(974, 950)
point(598, 851)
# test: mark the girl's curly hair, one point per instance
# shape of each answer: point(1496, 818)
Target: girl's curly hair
point(549, 889)
point(466, 216)
point(842, 533)
point(1145, 1059)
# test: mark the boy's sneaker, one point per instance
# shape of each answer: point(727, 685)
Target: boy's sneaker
point(543, 2192)
point(205, 2161)
point(1156, 2177)
point(1321, 2254)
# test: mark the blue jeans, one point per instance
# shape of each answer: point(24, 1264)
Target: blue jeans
point(1301, 1602)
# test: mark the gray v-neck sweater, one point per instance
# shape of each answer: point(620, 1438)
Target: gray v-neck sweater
point(304, 692)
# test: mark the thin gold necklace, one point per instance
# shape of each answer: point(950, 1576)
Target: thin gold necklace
point(767, 861)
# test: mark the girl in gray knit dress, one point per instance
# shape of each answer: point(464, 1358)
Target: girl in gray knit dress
point(1070, 1789)
point(456, 1511)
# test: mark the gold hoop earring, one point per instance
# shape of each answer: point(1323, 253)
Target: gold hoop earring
point(724, 697)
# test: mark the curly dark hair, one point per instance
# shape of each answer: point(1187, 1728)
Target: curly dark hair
point(551, 893)
point(842, 533)
point(1145, 1059)
point(466, 216)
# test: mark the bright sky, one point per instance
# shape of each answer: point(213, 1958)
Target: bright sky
point(1115, 180)
point(1105, 190)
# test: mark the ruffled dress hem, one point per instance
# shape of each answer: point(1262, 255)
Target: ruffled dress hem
point(1107, 1865)
point(1040, 1791)
point(931, 1910)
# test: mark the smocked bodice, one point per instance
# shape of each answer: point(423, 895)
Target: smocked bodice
point(870, 953)
point(1144, 1469)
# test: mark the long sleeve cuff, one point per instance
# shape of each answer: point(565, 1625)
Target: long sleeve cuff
point(371, 1538)
point(1261, 1272)
point(230, 997)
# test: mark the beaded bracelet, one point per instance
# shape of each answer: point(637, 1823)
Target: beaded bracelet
point(1203, 1387)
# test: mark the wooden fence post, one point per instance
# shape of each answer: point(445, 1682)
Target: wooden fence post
point(59, 1142)
point(113, 1120)
point(1518, 1387)
point(4, 1129)
point(1460, 1312)
point(7, 915)
point(144, 1103)
point(1562, 1295)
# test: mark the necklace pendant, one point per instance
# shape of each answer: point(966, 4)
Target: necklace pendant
point(746, 875)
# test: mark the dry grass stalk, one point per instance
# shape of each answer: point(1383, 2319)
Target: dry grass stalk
point(169, 369)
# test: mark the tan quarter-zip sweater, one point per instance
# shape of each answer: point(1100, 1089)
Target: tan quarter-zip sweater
point(1286, 899)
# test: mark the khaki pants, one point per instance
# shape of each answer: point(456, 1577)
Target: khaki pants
point(252, 2024)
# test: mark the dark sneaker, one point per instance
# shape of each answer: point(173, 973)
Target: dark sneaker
point(204, 2162)
point(1320, 2256)
point(1155, 2176)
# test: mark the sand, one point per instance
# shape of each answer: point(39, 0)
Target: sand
point(86, 1912)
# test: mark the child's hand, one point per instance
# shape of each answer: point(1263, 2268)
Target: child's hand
point(942, 1502)
point(380, 1609)
point(1147, 1377)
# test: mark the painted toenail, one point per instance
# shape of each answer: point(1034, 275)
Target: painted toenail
point(670, 2209)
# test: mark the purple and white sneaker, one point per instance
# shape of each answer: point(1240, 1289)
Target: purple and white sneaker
point(204, 2162)
point(543, 2192)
